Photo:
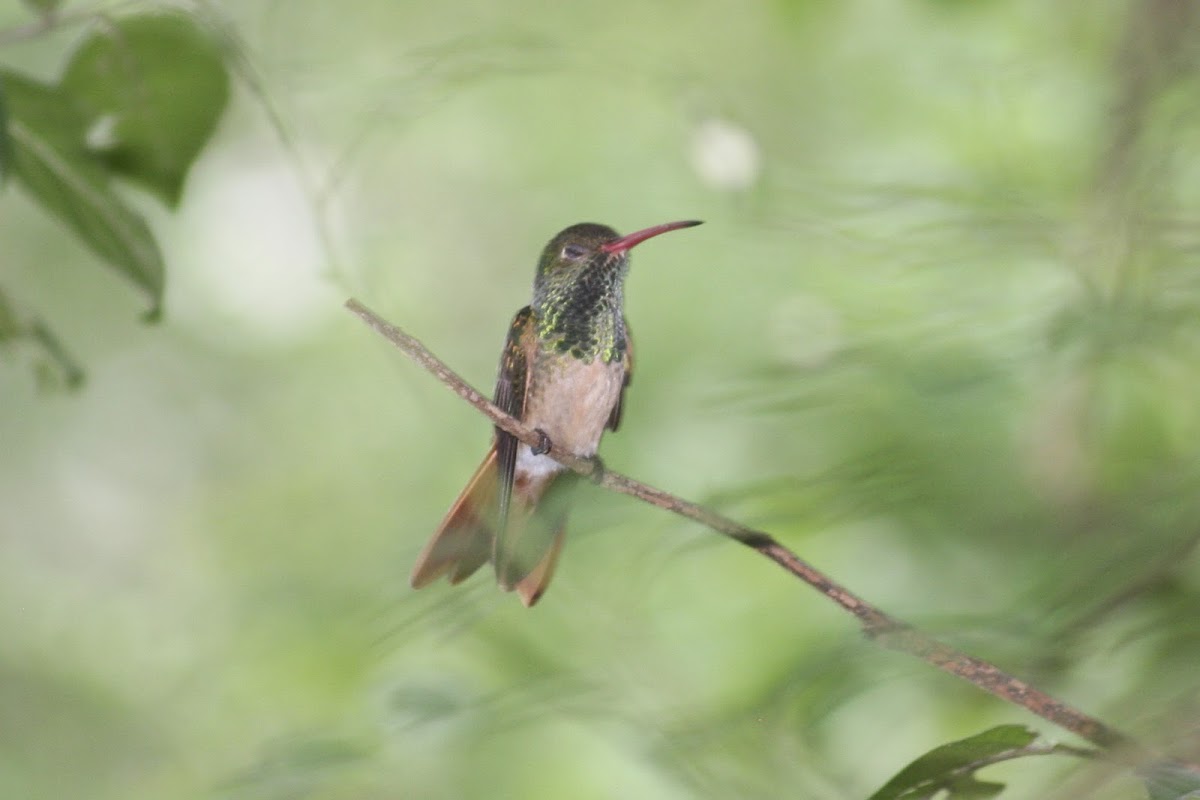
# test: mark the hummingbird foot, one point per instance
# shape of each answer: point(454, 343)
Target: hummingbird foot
point(598, 469)
point(544, 444)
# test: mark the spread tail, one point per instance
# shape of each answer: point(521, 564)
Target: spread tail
point(525, 552)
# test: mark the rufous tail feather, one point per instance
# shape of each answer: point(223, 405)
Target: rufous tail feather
point(463, 542)
point(533, 586)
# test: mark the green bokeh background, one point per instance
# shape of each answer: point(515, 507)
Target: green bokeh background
point(940, 334)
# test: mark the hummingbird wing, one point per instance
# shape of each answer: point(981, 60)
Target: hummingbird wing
point(464, 540)
point(614, 419)
point(511, 385)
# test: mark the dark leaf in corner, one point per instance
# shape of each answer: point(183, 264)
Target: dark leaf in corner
point(1170, 781)
point(951, 767)
point(151, 88)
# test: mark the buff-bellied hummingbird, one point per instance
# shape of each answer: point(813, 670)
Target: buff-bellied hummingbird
point(563, 372)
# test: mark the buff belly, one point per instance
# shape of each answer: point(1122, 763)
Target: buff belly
point(571, 400)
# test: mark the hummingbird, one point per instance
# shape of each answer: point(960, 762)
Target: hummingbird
point(564, 370)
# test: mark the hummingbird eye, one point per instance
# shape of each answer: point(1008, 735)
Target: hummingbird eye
point(573, 252)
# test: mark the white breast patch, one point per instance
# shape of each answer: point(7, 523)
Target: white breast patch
point(536, 466)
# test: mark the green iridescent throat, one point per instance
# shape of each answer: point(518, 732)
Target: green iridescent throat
point(579, 311)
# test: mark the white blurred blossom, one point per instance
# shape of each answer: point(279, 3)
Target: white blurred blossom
point(725, 155)
point(249, 255)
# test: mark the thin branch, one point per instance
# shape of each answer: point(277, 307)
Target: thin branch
point(877, 624)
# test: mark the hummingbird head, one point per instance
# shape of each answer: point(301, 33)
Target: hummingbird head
point(578, 295)
point(588, 247)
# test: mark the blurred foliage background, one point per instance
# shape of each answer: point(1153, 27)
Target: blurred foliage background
point(941, 335)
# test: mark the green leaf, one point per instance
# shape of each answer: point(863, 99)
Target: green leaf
point(56, 366)
point(5, 145)
point(50, 160)
point(951, 767)
point(59, 366)
point(296, 767)
point(43, 7)
point(152, 88)
point(10, 323)
point(1171, 781)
